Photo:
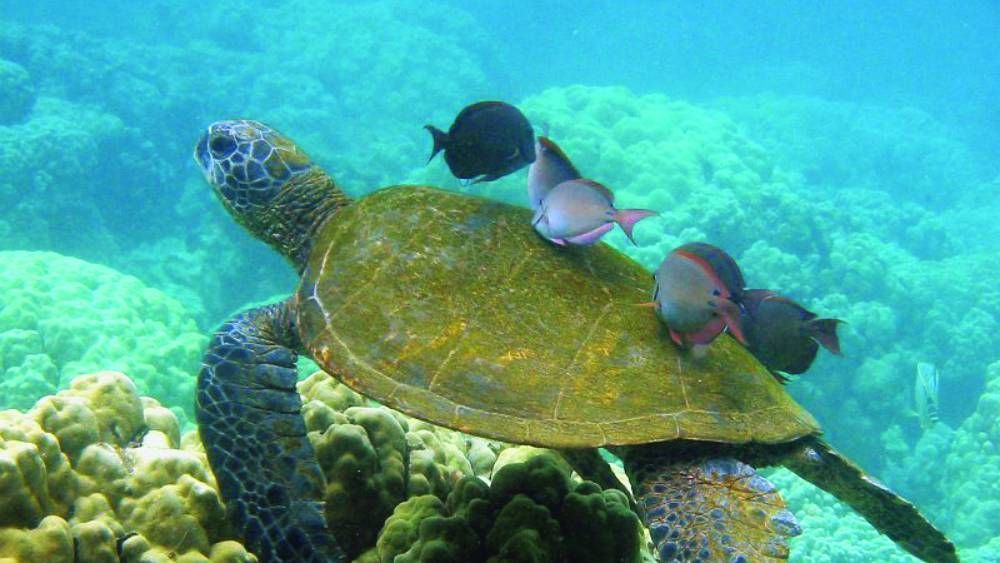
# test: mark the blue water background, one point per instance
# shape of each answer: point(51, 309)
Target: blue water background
point(879, 120)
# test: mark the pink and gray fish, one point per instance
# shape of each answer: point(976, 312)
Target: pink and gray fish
point(580, 212)
point(783, 335)
point(722, 264)
point(550, 168)
point(695, 300)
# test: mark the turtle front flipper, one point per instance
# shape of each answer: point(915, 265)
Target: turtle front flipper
point(816, 462)
point(249, 418)
point(709, 509)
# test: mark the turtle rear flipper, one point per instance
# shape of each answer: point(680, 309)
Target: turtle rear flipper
point(716, 509)
point(816, 462)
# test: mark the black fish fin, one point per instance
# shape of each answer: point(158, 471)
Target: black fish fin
point(440, 140)
point(486, 178)
point(824, 331)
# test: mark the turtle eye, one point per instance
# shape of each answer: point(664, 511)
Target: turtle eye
point(222, 146)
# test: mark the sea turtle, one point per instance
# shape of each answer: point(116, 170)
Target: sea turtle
point(450, 308)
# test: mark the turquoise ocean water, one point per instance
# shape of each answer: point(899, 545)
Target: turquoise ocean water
point(847, 153)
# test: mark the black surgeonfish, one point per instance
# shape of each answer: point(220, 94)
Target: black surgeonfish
point(488, 140)
point(783, 335)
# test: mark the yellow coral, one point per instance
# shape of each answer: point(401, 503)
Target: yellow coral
point(51, 542)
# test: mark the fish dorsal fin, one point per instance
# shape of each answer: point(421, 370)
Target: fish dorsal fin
point(807, 315)
point(598, 187)
point(777, 298)
point(565, 165)
point(723, 264)
point(478, 106)
point(708, 269)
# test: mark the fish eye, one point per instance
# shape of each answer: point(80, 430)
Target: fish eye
point(716, 292)
point(222, 146)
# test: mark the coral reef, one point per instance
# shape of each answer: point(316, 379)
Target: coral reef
point(832, 532)
point(532, 511)
point(904, 151)
point(972, 467)
point(61, 317)
point(101, 169)
point(375, 458)
point(101, 468)
point(17, 93)
point(96, 471)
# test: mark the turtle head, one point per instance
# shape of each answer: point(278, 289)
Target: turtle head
point(267, 183)
point(248, 163)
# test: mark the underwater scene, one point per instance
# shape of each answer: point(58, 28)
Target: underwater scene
point(659, 281)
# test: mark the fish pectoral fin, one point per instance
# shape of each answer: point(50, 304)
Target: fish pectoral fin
point(485, 178)
point(540, 216)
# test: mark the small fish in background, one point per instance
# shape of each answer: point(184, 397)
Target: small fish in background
point(487, 141)
point(783, 335)
point(580, 212)
point(696, 300)
point(550, 168)
point(925, 395)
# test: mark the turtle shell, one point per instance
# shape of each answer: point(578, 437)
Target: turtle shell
point(451, 309)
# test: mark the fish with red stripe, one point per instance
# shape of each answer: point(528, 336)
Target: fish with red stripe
point(696, 293)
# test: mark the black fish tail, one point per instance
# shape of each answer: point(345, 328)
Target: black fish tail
point(440, 140)
point(824, 331)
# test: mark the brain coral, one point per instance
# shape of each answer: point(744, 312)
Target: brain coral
point(374, 458)
point(101, 472)
point(532, 511)
point(61, 317)
point(97, 471)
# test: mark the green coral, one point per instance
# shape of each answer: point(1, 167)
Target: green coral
point(375, 458)
point(61, 317)
point(532, 511)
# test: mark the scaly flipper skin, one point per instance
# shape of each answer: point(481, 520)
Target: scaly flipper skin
point(250, 422)
point(818, 463)
point(708, 509)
